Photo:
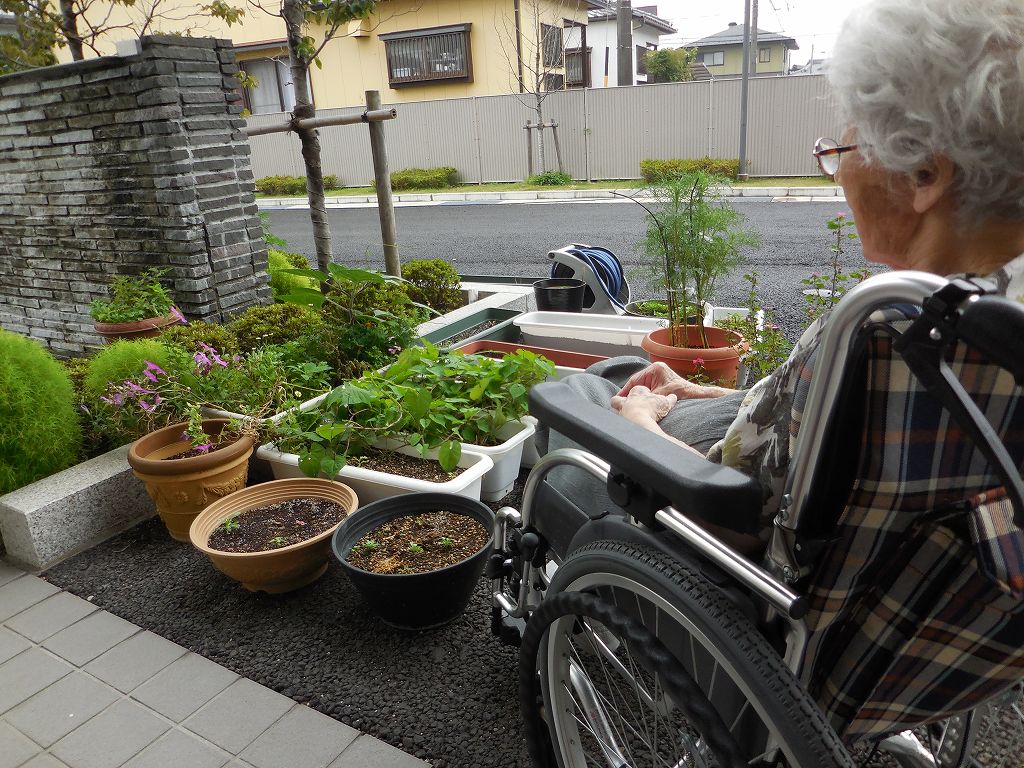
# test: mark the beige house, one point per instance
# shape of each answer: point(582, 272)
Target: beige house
point(722, 52)
point(409, 50)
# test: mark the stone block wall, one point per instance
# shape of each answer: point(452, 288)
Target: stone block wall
point(112, 165)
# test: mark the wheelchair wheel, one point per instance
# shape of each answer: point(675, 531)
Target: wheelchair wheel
point(657, 667)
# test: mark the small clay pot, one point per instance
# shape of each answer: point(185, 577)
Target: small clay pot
point(274, 570)
point(182, 488)
point(138, 329)
point(720, 360)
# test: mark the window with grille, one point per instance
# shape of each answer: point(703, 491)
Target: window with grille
point(576, 74)
point(427, 55)
point(551, 40)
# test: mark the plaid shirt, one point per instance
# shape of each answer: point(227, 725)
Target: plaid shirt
point(917, 604)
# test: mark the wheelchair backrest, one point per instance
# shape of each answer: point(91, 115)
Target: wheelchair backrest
point(916, 591)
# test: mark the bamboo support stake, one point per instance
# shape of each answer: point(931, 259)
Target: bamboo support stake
point(382, 176)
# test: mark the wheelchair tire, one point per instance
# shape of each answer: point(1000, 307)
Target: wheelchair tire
point(741, 676)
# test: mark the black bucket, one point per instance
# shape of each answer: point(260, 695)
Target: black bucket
point(560, 294)
point(414, 600)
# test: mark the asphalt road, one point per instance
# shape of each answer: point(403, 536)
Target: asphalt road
point(513, 240)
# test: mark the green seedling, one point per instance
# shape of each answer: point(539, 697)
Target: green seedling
point(370, 545)
point(415, 548)
point(279, 541)
point(230, 525)
point(446, 542)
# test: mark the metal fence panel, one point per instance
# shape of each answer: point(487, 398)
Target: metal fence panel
point(604, 132)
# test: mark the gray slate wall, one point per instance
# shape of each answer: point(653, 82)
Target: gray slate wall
point(111, 165)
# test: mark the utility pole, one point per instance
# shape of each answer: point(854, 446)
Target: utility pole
point(624, 30)
point(745, 83)
point(755, 54)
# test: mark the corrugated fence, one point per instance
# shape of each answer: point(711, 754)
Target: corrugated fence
point(604, 132)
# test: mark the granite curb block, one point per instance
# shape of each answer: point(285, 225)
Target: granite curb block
point(71, 511)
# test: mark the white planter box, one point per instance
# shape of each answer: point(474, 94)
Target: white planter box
point(608, 335)
point(507, 458)
point(371, 485)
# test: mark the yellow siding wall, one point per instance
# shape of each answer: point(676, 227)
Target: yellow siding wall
point(355, 64)
point(734, 60)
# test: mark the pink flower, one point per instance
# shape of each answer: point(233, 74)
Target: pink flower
point(841, 215)
point(202, 362)
point(136, 389)
point(205, 447)
point(146, 406)
point(177, 314)
point(118, 399)
point(155, 368)
point(149, 375)
point(213, 354)
point(106, 400)
point(698, 361)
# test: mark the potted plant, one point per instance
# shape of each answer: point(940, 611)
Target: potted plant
point(188, 465)
point(768, 348)
point(274, 537)
point(416, 559)
point(139, 307)
point(694, 237)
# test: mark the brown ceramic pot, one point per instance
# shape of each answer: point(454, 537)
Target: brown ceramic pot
point(139, 329)
point(719, 361)
point(182, 488)
point(275, 570)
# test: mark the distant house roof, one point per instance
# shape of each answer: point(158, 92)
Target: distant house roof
point(812, 67)
point(699, 71)
point(605, 11)
point(734, 35)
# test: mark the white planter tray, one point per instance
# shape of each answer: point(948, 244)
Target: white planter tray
point(506, 456)
point(609, 335)
point(371, 485)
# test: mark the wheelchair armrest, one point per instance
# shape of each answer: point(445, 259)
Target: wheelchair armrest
point(690, 483)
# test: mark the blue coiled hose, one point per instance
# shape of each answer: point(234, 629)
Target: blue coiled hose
point(606, 266)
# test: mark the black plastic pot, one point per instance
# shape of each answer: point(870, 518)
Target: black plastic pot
point(414, 600)
point(559, 294)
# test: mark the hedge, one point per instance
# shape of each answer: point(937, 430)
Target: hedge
point(654, 170)
point(424, 178)
point(290, 185)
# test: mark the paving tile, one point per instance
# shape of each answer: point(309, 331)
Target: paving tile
point(178, 748)
point(303, 738)
point(183, 687)
point(57, 710)
point(15, 747)
point(237, 715)
point(27, 674)
point(368, 752)
point(44, 761)
point(11, 644)
point(111, 738)
point(21, 593)
point(50, 616)
point(84, 641)
point(8, 572)
point(132, 662)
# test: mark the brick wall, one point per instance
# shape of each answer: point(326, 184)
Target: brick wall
point(111, 165)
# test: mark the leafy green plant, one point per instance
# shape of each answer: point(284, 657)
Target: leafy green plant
point(414, 548)
point(262, 326)
point(670, 65)
point(281, 284)
point(653, 308)
point(824, 291)
point(370, 545)
point(124, 359)
point(279, 541)
point(433, 282)
point(272, 240)
point(769, 347)
point(655, 171)
point(446, 543)
point(198, 333)
point(133, 298)
point(424, 178)
point(290, 185)
point(694, 237)
point(230, 525)
point(550, 179)
point(39, 429)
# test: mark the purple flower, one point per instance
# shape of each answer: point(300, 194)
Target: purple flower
point(177, 314)
point(213, 354)
point(135, 388)
point(155, 368)
point(107, 400)
point(146, 406)
point(202, 362)
point(118, 399)
point(149, 375)
point(204, 448)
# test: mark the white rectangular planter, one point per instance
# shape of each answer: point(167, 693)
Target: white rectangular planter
point(371, 485)
point(506, 456)
point(609, 335)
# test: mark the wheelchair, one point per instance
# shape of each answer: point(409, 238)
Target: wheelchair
point(886, 613)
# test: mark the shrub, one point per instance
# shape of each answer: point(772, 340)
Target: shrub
point(76, 368)
point(39, 430)
point(274, 324)
point(124, 359)
point(654, 171)
point(550, 179)
point(282, 284)
point(424, 178)
point(290, 185)
point(133, 298)
point(189, 337)
point(433, 282)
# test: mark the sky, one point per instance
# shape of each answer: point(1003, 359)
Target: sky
point(812, 22)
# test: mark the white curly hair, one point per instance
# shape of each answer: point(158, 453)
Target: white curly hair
point(917, 78)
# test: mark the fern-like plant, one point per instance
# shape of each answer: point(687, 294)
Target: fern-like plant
point(39, 429)
point(124, 359)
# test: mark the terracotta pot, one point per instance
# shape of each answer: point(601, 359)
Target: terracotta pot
point(720, 361)
point(275, 570)
point(139, 329)
point(182, 488)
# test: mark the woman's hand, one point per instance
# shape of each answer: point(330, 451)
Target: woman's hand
point(662, 380)
point(642, 406)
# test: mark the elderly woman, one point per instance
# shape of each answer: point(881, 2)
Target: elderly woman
point(932, 165)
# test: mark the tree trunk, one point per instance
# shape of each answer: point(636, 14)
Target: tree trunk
point(292, 13)
point(69, 27)
point(540, 135)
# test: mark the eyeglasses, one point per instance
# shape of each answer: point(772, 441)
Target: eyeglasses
point(827, 152)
